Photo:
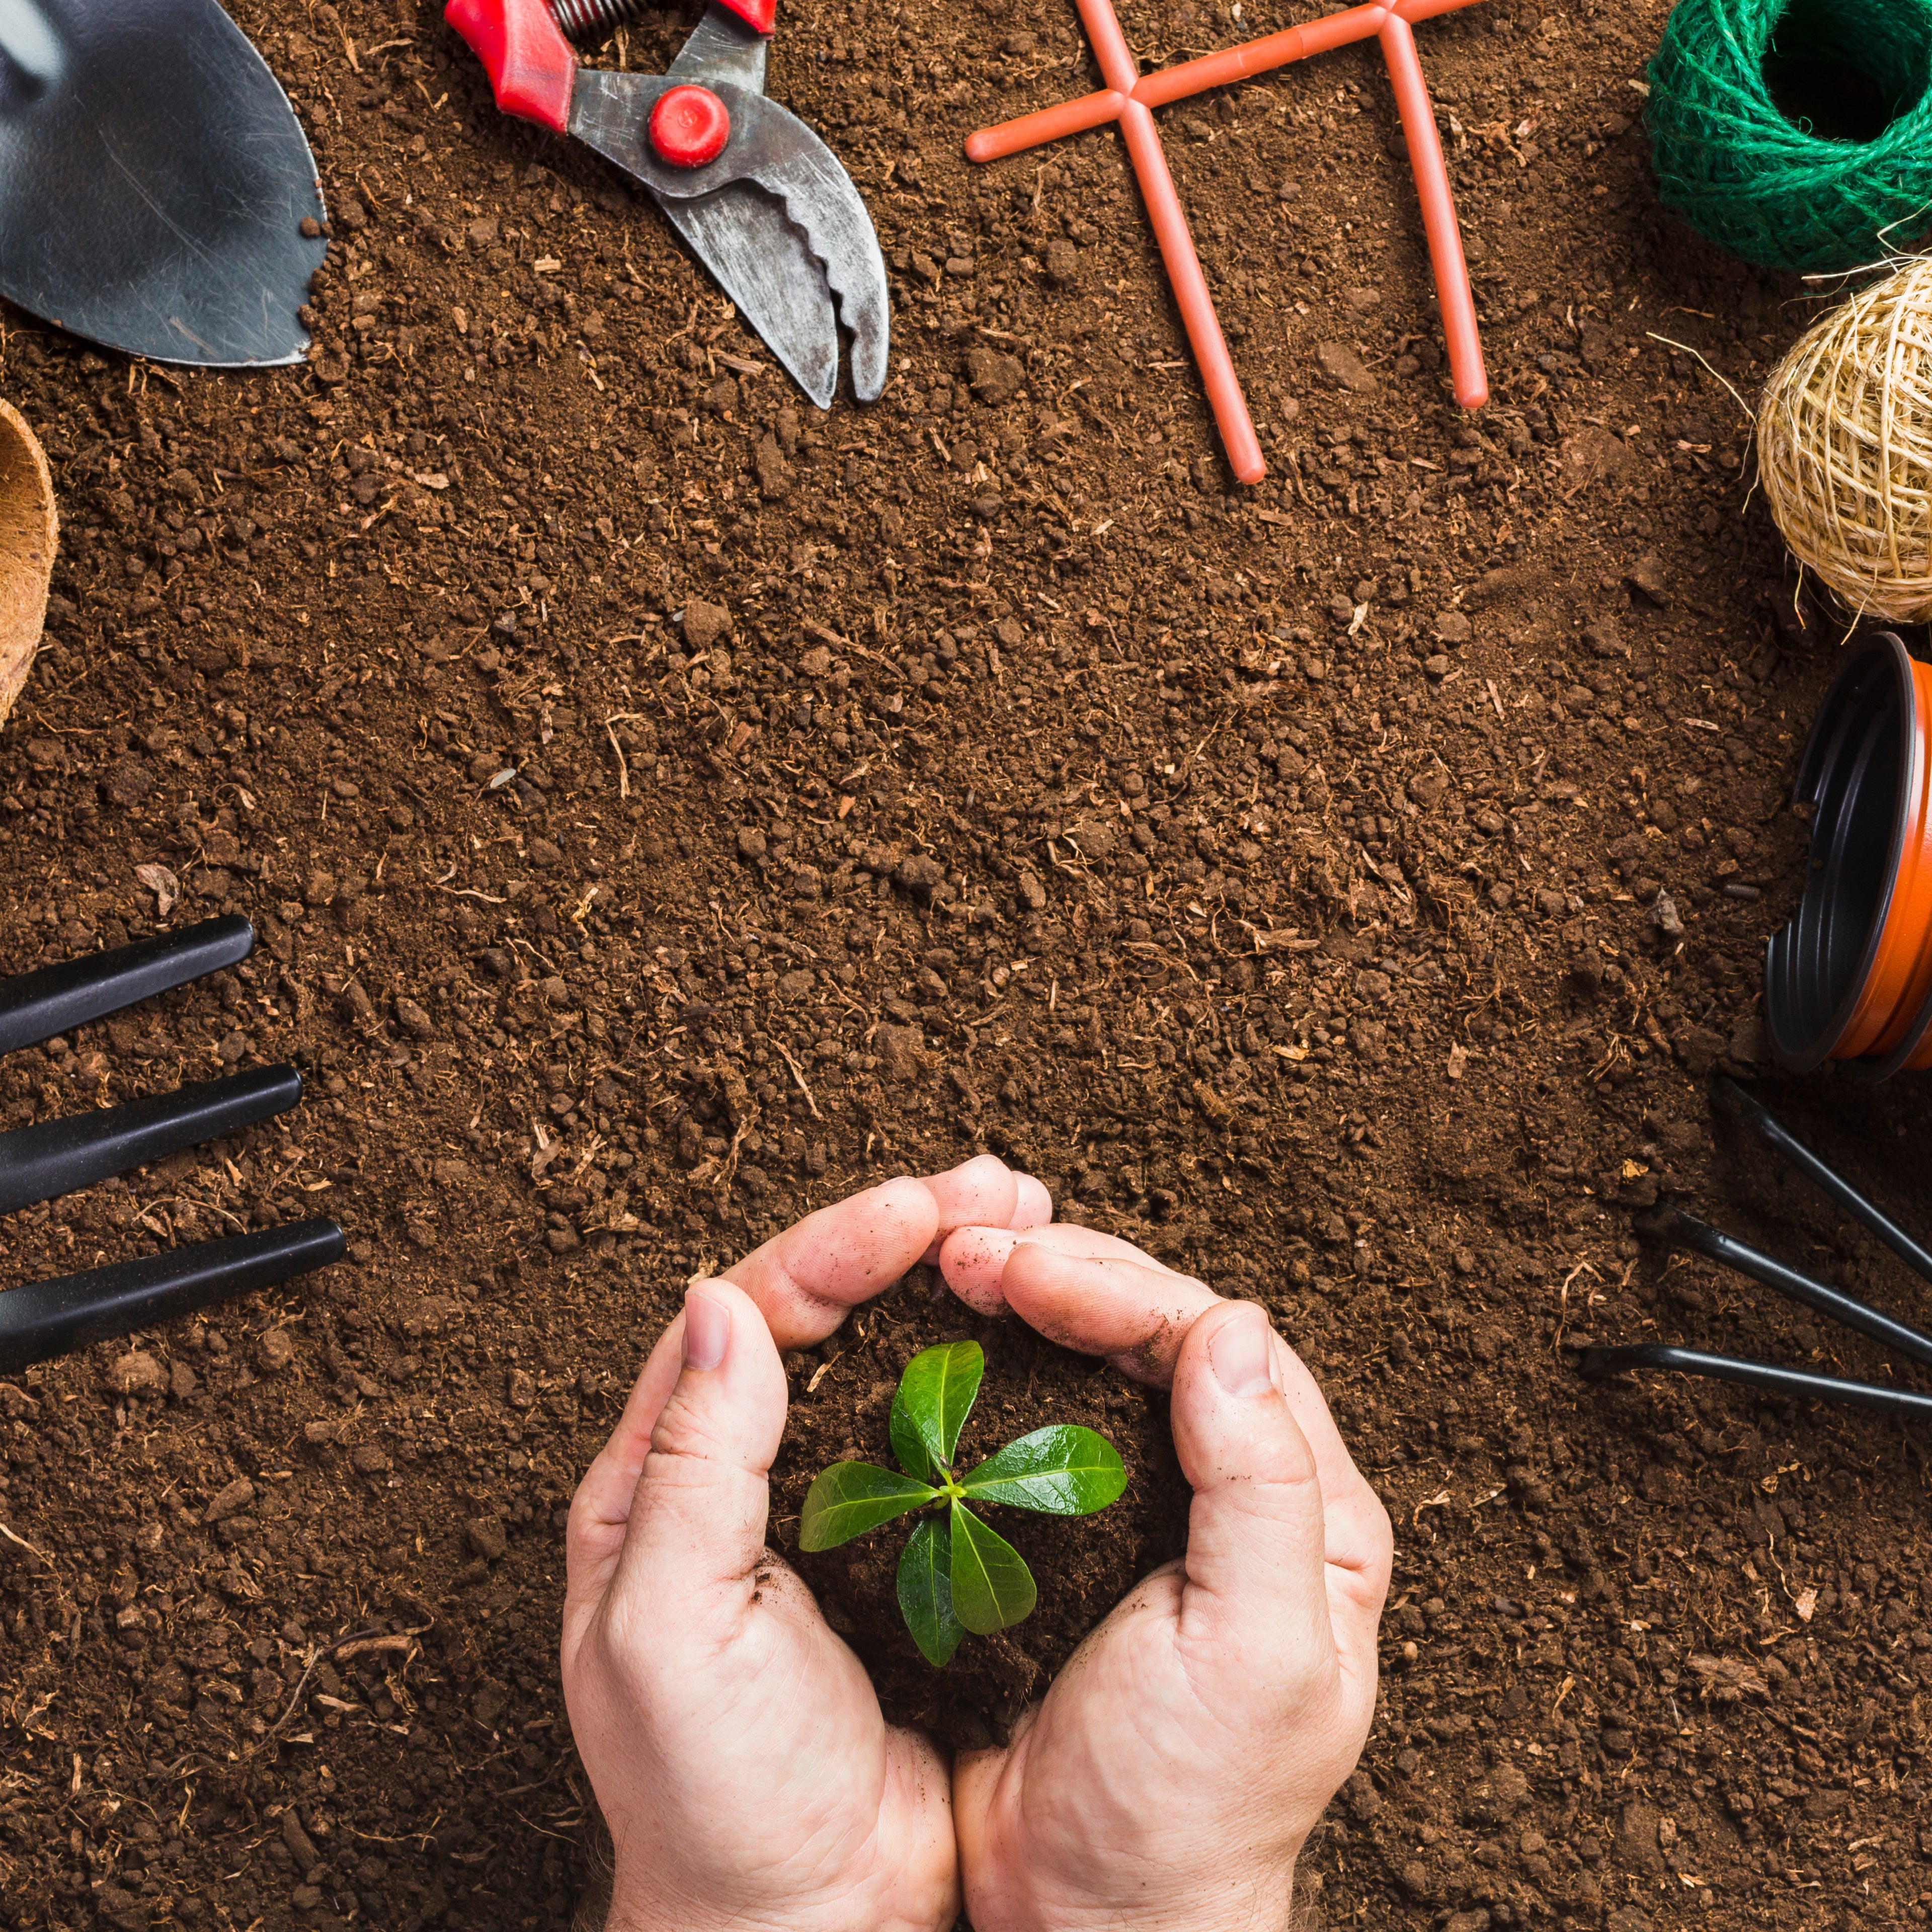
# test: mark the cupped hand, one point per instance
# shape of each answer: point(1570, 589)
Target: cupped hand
point(1179, 1762)
point(735, 1744)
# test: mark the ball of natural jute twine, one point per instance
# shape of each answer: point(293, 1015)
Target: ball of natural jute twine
point(1844, 448)
point(1740, 159)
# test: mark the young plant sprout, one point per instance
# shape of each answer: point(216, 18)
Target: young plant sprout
point(956, 1575)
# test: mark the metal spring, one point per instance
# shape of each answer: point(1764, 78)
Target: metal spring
point(590, 20)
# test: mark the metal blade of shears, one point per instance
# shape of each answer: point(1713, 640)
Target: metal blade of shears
point(722, 48)
point(763, 263)
point(776, 218)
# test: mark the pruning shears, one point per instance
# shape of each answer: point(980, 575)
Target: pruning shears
point(764, 204)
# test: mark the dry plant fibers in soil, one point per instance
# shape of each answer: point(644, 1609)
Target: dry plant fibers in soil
point(1845, 446)
point(29, 528)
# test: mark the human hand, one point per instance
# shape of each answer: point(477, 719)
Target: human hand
point(736, 1746)
point(1179, 1762)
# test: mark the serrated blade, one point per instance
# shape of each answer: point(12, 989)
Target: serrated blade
point(776, 218)
point(153, 180)
point(760, 259)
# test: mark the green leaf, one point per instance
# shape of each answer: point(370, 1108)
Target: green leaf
point(991, 1588)
point(936, 1390)
point(926, 1592)
point(849, 1499)
point(906, 1444)
point(1063, 1471)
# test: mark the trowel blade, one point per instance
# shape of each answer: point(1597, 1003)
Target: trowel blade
point(153, 182)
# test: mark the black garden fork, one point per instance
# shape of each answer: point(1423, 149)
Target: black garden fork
point(47, 1318)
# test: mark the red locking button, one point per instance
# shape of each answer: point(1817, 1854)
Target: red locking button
point(689, 126)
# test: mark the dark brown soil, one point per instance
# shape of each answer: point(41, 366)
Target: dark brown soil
point(1275, 873)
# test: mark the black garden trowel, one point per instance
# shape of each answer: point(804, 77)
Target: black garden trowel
point(154, 182)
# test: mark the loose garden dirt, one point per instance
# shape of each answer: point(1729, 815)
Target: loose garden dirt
point(665, 809)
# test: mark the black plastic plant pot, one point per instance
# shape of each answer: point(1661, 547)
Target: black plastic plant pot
point(1850, 978)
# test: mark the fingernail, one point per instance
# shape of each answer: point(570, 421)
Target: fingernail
point(707, 1329)
point(1242, 1354)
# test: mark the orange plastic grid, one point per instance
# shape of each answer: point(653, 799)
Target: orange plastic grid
point(1130, 97)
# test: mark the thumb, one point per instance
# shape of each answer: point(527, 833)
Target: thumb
point(697, 1521)
point(1255, 1590)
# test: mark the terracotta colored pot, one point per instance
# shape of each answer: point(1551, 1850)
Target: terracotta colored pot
point(1850, 978)
point(28, 531)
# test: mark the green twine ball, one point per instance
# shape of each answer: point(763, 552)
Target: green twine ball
point(1799, 137)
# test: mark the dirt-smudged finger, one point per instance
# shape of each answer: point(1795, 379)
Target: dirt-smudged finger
point(1110, 1300)
point(982, 1192)
point(806, 1279)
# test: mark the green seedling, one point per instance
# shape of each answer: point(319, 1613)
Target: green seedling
point(956, 1575)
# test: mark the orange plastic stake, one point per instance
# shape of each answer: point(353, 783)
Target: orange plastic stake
point(1466, 372)
point(1130, 96)
point(1119, 67)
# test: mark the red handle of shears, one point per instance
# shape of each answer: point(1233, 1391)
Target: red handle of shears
point(530, 63)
